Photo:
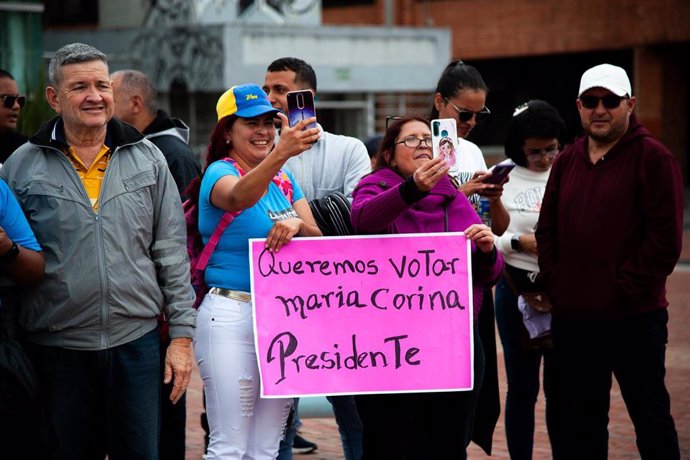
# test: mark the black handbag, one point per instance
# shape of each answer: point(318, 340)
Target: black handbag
point(332, 214)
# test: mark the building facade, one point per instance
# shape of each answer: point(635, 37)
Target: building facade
point(195, 50)
point(529, 49)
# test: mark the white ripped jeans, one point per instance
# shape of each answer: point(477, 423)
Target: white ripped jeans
point(243, 425)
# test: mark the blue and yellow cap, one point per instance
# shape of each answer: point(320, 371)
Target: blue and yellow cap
point(245, 101)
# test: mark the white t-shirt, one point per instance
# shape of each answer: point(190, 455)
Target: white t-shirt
point(522, 196)
point(469, 160)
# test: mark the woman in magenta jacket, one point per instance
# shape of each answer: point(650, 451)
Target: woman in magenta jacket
point(409, 192)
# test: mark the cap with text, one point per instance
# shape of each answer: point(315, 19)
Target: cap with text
point(245, 101)
point(606, 76)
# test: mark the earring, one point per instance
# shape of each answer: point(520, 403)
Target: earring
point(227, 141)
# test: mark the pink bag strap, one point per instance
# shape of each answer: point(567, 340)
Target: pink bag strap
point(283, 182)
point(225, 220)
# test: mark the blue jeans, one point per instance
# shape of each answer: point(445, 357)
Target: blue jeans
point(171, 445)
point(522, 372)
point(102, 402)
point(587, 353)
point(293, 424)
point(349, 426)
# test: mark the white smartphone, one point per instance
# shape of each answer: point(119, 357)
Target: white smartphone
point(444, 139)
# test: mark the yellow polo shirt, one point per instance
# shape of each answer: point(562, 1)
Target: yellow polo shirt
point(92, 177)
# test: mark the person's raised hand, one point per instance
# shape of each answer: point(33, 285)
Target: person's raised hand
point(428, 175)
point(296, 139)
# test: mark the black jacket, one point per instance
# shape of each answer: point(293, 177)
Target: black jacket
point(171, 136)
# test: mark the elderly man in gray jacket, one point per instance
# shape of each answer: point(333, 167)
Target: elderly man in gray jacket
point(106, 211)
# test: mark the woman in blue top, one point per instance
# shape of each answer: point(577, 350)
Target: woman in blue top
point(244, 175)
point(22, 259)
point(20, 255)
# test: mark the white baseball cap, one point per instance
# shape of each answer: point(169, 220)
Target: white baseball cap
point(606, 76)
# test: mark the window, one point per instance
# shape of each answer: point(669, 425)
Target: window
point(70, 12)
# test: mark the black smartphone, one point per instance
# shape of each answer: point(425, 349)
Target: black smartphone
point(300, 106)
point(499, 173)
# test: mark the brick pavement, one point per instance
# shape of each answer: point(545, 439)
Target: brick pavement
point(324, 431)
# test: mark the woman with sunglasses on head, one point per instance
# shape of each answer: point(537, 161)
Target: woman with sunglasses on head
point(409, 192)
point(10, 105)
point(244, 177)
point(534, 138)
point(461, 94)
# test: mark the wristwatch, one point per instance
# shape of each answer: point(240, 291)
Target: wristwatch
point(515, 242)
point(11, 254)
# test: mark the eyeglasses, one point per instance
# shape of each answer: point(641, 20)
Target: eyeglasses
point(466, 115)
point(8, 101)
point(535, 155)
point(610, 101)
point(390, 118)
point(414, 142)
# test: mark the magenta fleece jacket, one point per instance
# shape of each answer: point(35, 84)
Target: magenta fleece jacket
point(385, 203)
point(610, 233)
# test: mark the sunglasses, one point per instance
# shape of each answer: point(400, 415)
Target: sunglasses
point(466, 115)
point(391, 118)
point(8, 101)
point(610, 101)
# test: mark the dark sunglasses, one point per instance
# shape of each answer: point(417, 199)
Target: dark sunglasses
point(391, 118)
point(8, 101)
point(466, 115)
point(610, 101)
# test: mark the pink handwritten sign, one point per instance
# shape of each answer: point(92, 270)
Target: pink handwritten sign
point(349, 315)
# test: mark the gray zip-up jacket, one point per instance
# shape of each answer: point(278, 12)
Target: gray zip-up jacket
point(110, 273)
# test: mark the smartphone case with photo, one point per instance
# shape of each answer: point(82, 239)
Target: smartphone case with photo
point(300, 106)
point(444, 139)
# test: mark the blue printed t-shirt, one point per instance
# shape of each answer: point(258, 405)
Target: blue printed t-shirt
point(13, 221)
point(228, 266)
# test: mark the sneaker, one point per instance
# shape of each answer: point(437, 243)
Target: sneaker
point(302, 446)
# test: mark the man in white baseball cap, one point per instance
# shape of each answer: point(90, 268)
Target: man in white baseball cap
point(606, 76)
point(609, 234)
